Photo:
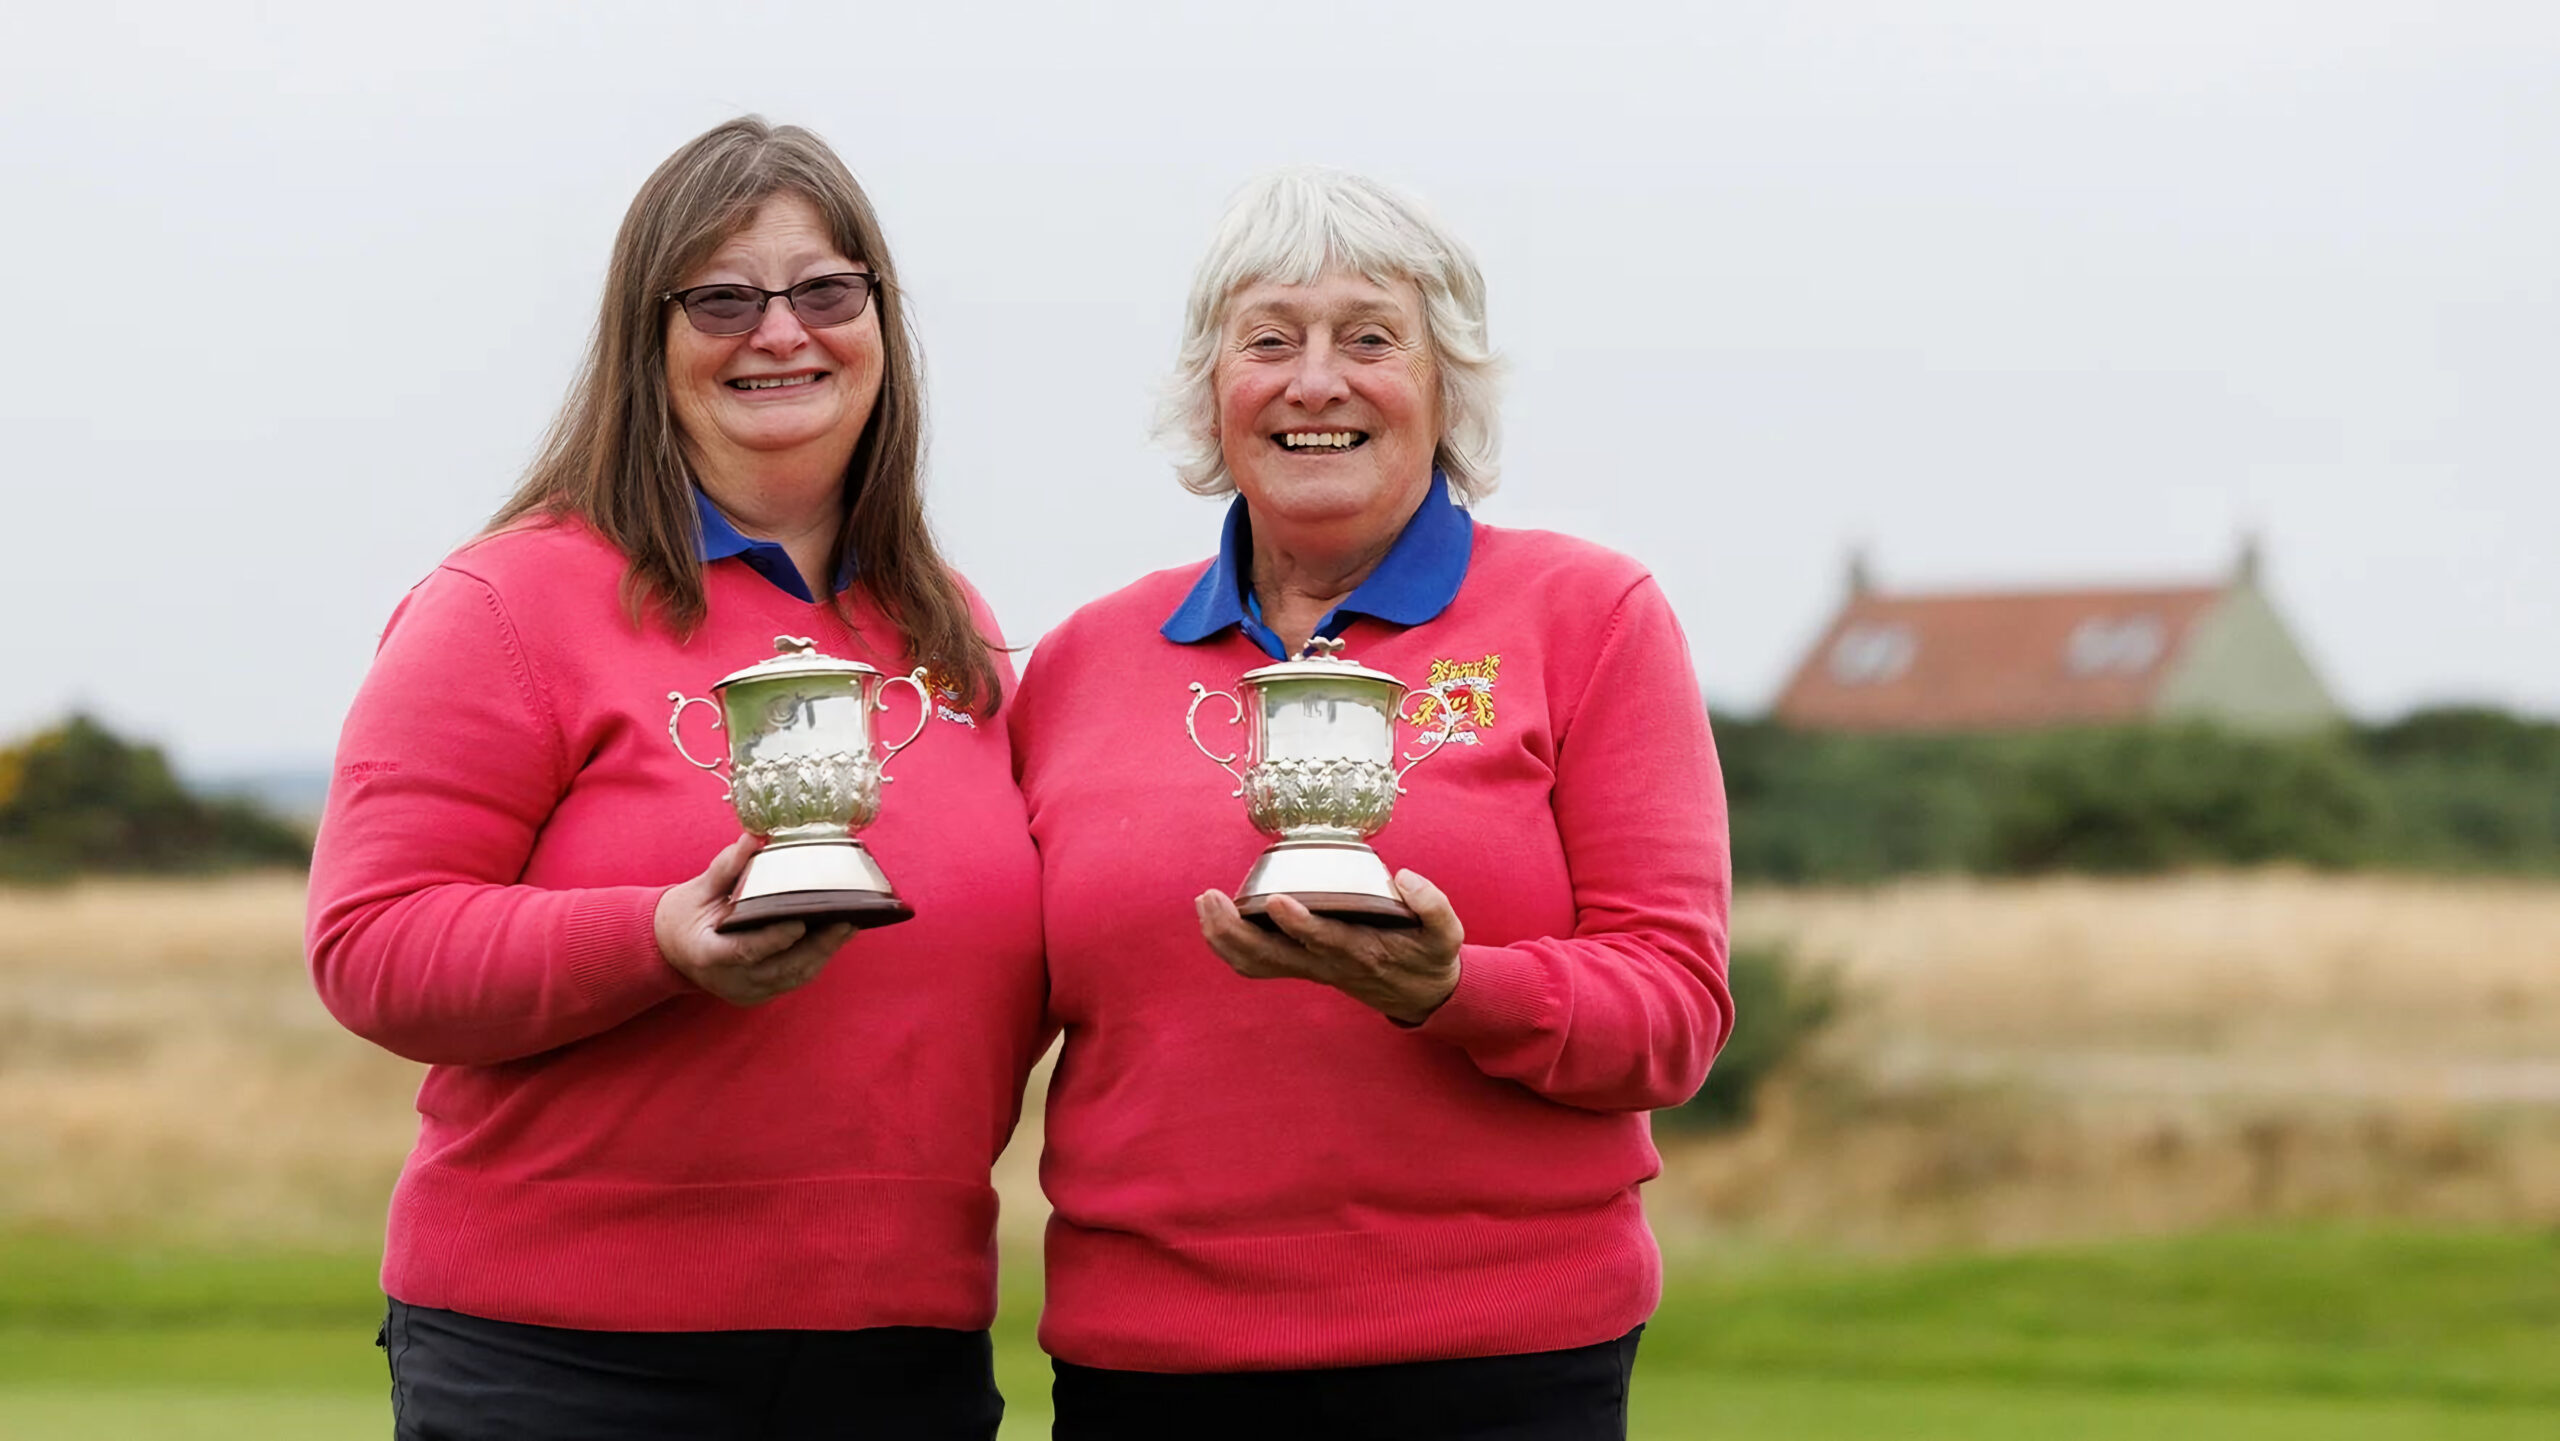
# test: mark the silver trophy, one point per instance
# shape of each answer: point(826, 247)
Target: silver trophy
point(1320, 774)
point(802, 773)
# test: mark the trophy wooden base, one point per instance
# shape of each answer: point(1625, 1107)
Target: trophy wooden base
point(1345, 906)
point(818, 882)
point(864, 910)
point(1342, 880)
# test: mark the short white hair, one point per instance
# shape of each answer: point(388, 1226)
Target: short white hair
point(1290, 227)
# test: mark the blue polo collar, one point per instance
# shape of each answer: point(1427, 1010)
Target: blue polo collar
point(1414, 583)
point(721, 540)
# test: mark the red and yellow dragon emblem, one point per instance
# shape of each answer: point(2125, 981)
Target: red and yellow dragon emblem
point(1458, 693)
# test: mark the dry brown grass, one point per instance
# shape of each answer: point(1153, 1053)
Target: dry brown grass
point(2020, 1062)
point(2079, 1058)
point(2285, 966)
point(166, 1069)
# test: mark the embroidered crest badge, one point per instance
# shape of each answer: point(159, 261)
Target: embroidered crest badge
point(1458, 698)
point(946, 701)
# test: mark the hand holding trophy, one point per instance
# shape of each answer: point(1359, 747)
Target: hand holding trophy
point(802, 772)
point(1320, 774)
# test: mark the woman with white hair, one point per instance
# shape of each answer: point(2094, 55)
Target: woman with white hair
point(1401, 1200)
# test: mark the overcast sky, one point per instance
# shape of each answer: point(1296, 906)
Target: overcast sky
point(2009, 293)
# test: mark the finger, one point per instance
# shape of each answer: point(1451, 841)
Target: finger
point(766, 941)
point(1429, 902)
point(1219, 918)
point(1247, 949)
point(1312, 931)
point(1265, 954)
point(1219, 923)
point(770, 980)
point(815, 949)
point(754, 985)
point(721, 876)
point(1212, 905)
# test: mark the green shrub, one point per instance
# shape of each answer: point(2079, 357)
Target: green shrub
point(1779, 1007)
point(2451, 790)
point(1809, 807)
point(2140, 799)
point(2469, 789)
point(78, 799)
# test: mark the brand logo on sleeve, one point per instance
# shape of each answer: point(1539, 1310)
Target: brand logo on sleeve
point(1457, 699)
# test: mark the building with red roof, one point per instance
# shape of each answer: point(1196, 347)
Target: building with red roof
point(2019, 660)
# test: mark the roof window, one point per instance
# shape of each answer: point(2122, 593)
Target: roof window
point(1871, 653)
point(2114, 645)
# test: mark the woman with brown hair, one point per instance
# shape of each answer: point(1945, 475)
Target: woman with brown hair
point(670, 1181)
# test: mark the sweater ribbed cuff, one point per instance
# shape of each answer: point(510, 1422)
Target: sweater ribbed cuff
point(611, 938)
point(1501, 996)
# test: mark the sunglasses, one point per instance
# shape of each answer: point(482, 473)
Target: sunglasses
point(737, 309)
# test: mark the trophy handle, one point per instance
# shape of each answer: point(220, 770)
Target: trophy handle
point(914, 680)
point(1448, 729)
point(1191, 725)
point(681, 701)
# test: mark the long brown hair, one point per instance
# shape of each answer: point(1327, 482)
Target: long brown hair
point(615, 457)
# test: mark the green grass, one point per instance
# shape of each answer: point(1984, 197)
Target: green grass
point(164, 1414)
point(2449, 1317)
point(2335, 1335)
point(1697, 1406)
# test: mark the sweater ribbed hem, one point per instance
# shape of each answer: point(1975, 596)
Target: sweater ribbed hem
point(611, 940)
point(831, 1253)
point(1431, 1290)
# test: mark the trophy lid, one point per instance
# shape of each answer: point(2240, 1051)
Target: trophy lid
point(1321, 660)
point(795, 657)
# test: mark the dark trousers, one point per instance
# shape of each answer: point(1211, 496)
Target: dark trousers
point(462, 1378)
point(1576, 1395)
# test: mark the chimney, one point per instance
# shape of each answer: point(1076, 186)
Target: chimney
point(1862, 580)
point(2244, 572)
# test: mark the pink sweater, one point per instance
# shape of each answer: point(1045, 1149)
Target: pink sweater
point(1264, 1174)
point(600, 1144)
